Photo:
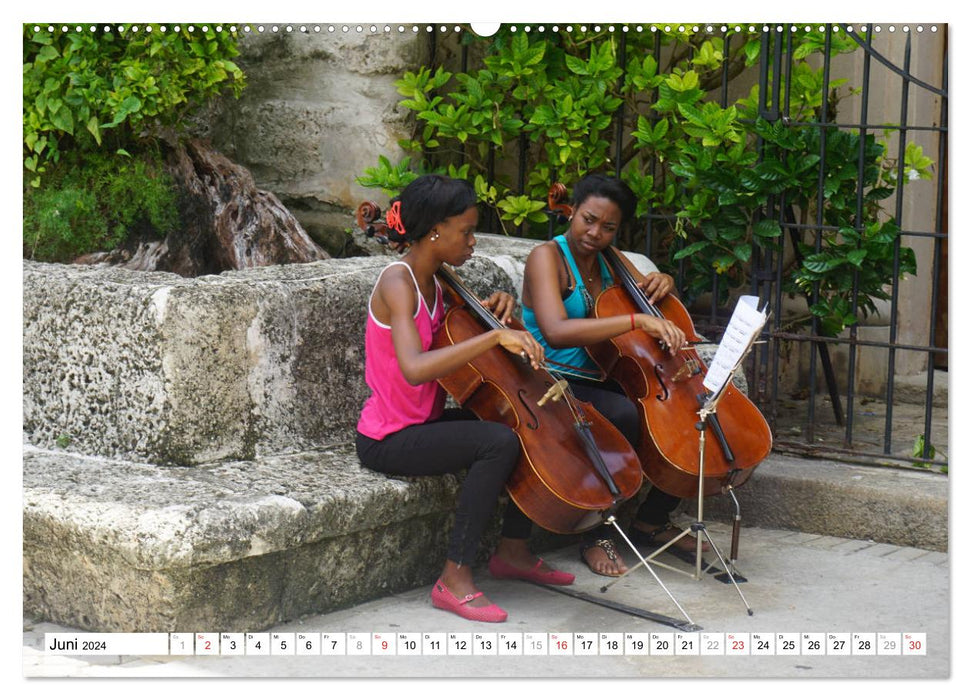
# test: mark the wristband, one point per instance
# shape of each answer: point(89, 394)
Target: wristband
point(632, 322)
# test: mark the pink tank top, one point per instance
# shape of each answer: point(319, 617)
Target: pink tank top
point(394, 403)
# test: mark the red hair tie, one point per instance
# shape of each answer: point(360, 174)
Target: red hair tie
point(393, 218)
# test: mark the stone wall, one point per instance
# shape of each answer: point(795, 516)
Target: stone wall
point(319, 108)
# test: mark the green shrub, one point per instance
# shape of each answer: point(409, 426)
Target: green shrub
point(711, 175)
point(94, 203)
point(89, 89)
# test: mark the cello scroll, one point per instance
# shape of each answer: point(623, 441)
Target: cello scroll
point(368, 218)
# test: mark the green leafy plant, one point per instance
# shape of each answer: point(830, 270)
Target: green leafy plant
point(86, 88)
point(711, 174)
point(558, 102)
point(95, 202)
point(390, 178)
point(920, 444)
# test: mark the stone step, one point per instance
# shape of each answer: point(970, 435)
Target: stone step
point(903, 507)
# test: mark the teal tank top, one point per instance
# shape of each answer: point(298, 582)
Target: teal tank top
point(576, 360)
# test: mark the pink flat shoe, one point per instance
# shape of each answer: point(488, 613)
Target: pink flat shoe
point(444, 599)
point(499, 568)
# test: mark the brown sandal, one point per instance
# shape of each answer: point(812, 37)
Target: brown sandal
point(609, 548)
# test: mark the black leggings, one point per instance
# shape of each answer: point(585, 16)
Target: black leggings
point(608, 398)
point(455, 442)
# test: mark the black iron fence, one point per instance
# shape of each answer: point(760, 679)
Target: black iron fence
point(920, 432)
point(817, 405)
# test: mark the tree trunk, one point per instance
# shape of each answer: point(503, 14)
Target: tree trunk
point(227, 223)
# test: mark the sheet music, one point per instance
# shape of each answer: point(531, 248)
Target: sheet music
point(746, 323)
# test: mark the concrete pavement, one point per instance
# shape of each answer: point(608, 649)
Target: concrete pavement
point(802, 588)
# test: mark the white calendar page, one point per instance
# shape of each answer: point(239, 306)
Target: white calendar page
point(450, 646)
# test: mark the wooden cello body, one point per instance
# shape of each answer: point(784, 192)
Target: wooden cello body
point(556, 482)
point(575, 467)
point(669, 392)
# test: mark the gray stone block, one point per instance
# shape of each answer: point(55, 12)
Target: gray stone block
point(175, 371)
point(119, 546)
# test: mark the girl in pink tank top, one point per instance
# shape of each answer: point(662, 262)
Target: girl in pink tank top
point(404, 429)
point(394, 402)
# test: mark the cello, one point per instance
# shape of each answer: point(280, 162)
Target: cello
point(575, 468)
point(669, 391)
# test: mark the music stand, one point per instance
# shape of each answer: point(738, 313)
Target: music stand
point(708, 408)
point(704, 413)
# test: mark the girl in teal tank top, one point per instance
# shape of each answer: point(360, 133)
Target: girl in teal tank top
point(578, 304)
point(561, 280)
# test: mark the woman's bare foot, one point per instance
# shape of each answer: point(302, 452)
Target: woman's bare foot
point(603, 558)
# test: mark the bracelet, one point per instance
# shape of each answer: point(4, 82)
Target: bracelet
point(632, 322)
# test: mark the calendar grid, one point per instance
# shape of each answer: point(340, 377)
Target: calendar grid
point(389, 644)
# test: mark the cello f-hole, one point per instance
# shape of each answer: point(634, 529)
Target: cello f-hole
point(657, 373)
point(533, 423)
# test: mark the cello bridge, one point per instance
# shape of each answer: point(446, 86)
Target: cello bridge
point(554, 393)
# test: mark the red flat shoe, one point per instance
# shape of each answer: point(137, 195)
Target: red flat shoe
point(499, 568)
point(444, 599)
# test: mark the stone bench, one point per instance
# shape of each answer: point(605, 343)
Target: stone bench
point(114, 545)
